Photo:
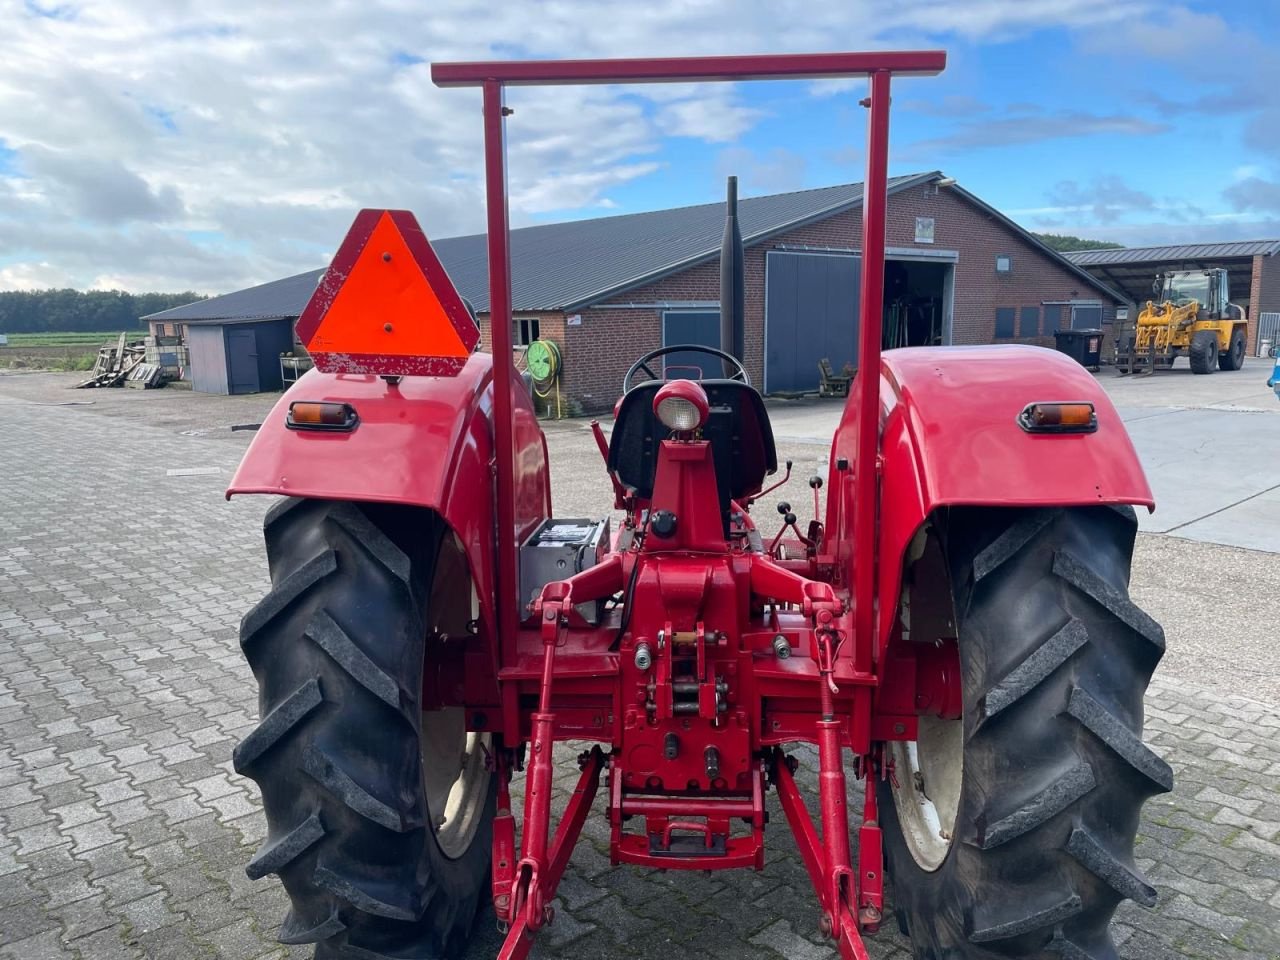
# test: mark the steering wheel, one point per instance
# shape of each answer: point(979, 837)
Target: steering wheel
point(739, 371)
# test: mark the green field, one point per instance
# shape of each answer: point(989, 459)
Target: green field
point(90, 339)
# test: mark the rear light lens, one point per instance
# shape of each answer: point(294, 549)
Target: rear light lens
point(321, 415)
point(1058, 417)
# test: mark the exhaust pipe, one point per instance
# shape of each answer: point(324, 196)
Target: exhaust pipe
point(732, 280)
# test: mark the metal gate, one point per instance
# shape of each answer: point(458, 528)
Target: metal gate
point(1268, 329)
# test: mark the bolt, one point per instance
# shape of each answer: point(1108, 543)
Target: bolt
point(386, 256)
point(781, 647)
point(386, 327)
point(899, 728)
point(644, 657)
point(712, 758)
point(670, 746)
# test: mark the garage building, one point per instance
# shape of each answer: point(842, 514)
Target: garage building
point(607, 290)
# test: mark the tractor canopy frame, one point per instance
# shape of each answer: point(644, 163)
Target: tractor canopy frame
point(525, 879)
point(494, 76)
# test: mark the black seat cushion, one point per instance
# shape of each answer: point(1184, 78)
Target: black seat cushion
point(737, 427)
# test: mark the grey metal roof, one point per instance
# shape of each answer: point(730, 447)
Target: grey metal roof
point(279, 298)
point(566, 266)
point(1180, 252)
point(563, 266)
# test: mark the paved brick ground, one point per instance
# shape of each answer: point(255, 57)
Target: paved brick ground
point(124, 831)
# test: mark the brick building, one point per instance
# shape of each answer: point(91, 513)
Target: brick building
point(609, 289)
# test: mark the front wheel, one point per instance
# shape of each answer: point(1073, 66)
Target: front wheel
point(379, 815)
point(1203, 351)
point(1010, 832)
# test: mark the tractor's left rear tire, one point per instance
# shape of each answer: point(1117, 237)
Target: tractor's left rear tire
point(379, 815)
point(1233, 359)
point(1010, 832)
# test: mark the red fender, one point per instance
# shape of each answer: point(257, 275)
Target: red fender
point(949, 437)
point(424, 441)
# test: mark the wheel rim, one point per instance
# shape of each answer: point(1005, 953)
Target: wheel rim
point(455, 769)
point(929, 772)
point(455, 778)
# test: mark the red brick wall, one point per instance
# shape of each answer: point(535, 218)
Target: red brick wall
point(598, 351)
point(1264, 293)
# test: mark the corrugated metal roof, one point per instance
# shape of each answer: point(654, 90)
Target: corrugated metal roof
point(562, 266)
point(1186, 251)
point(279, 298)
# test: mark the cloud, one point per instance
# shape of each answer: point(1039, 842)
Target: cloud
point(210, 144)
point(97, 188)
point(1254, 194)
point(951, 106)
point(1238, 68)
point(1107, 198)
point(1010, 130)
point(1157, 233)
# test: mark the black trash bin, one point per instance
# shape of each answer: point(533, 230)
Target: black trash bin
point(1082, 346)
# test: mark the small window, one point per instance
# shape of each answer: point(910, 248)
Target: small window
point(1004, 263)
point(1029, 322)
point(526, 331)
point(1004, 321)
point(1052, 318)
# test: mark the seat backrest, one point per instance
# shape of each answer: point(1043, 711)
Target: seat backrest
point(737, 427)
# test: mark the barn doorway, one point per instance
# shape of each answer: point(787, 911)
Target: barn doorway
point(917, 303)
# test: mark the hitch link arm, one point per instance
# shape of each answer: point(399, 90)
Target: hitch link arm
point(838, 919)
point(527, 894)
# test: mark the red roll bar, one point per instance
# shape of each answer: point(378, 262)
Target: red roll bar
point(494, 76)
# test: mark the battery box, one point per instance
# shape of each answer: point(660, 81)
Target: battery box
point(558, 549)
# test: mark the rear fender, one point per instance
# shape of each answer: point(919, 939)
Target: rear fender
point(949, 437)
point(424, 442)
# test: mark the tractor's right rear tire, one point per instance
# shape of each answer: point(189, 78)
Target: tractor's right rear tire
point(1233, 359)
point(355, 777)
point(1034, 796)
point(1203, 351)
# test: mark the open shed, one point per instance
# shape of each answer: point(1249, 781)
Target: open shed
point(229, 356)
point(1253, 269)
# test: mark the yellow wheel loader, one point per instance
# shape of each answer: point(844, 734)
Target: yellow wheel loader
point(1194, 314)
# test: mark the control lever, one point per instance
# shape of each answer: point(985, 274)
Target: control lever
point(764, 493)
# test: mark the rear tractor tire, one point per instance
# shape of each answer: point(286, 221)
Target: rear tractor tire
point(379, 816)
point(1203, 351)
point(1010, 832)
point(1233, 359)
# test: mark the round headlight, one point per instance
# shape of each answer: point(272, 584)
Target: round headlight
point(681, 405)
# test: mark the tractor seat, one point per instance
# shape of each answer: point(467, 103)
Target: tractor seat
point(737, 427)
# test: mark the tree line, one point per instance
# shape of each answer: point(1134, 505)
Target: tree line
point(1063, 242)
point(55, 311)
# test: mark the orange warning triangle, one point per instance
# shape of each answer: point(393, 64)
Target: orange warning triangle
point(386, 305)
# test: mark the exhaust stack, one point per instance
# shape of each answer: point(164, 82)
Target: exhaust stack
point(732, 279)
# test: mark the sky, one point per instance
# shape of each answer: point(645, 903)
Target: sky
point(179, 145)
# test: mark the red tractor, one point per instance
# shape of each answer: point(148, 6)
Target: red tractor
point(954, 624)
